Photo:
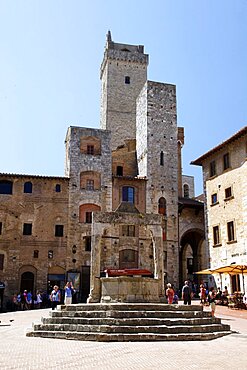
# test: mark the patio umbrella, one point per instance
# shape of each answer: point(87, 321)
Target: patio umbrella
point(233, 269)
point(204, 272)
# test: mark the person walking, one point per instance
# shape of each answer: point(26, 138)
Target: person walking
point(29, 300)
point(203, 295)
point(37, 300)
point(169, 293)
point(68, 293)
point(186, 293)
point(24, 305)
point(55, 297)
point(211, 300)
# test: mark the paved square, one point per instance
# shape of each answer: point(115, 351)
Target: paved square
point(21, 352)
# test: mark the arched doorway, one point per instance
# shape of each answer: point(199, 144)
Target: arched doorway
point(193, 256)
point(27, 281)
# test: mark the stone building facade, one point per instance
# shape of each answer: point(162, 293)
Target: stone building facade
point(126, 204)
point(225, 187)
point(33, 231)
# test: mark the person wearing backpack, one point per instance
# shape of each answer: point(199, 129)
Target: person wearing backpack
point(186, 293)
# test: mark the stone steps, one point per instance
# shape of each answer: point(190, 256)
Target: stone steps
point(129, 314)
point(129, 307)
point(130, 322)
point(103, 337)
point(161, 329)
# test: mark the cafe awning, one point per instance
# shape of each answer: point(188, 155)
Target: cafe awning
point(204, 272)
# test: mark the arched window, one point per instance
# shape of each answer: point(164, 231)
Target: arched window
point(6, 187)
point(86, 211)
point(186, 191)
point(90, 180)
point(128, 194)
point(162, 206)
point(28, 187)
point(90, 145)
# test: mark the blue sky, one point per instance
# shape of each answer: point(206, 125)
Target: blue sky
point(51, 53)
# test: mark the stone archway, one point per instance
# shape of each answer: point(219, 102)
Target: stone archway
point(192, 256)
point(27, 278)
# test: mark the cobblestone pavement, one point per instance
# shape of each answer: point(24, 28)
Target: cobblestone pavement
point(21, 352)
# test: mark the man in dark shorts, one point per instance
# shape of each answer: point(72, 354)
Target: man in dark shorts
point(186, 293)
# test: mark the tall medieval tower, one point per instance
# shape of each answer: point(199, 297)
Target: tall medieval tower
point(157, 156)
point(123, 74)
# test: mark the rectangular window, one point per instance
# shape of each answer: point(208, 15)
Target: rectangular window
point(228, 192)
point(230, 231)
point(36, 254)
point(27, 229)
point(28, 187)
point(1, 226)
point(1, 261)
point(90, 185)
point(214, 198)
point(88, 218)
point(59, 230)
point(128, 194)
point(128, 230)
point(90, 149)
point(127, 80)
point(162, 158)
point(58, 188)
point(119, 170)
point(212, 168)
point(88, 243)
point(226, 161)
point(216, 235)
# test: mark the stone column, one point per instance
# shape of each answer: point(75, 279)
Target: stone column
point(95, 285)
point(156, 235)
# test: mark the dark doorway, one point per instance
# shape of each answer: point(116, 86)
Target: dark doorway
point(27, 281)
point(85, 283)
point(190, 256)
point(235, 283)
point(55, 279)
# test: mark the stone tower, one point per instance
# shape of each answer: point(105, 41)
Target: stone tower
point(123, 74)
point(88, 165)
point(157, 156)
